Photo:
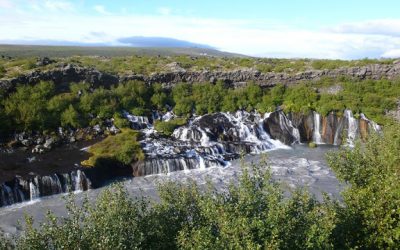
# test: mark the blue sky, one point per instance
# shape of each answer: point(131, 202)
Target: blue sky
point(316, 29)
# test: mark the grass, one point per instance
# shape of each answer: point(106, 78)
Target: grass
point(123, 148)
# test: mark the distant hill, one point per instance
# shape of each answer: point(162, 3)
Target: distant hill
point(108, 51)
point(160, 42)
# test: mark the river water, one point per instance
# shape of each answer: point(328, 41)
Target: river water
point(297, 166)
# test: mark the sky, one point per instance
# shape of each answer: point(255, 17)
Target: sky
point(340, 29)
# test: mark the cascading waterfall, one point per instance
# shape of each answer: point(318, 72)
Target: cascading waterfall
point(40, 186)
point(373, 125)
point(207, 141)
point(352, 127)
point(34, 192)
point(317, 126)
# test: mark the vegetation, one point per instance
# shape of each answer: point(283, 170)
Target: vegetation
point(42, 108)
point(18, 60)
point(123, 148)
point(168, 127)
point(312, 145)
point(251, 214)
point(372, 199)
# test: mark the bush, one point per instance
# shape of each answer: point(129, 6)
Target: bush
point(120, 121)
point(312, 145)
point(28, 106)
point(168, 127)
point(70, 117)
point(371, 216)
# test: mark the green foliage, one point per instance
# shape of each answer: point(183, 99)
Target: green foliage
point(123, 148)
point(300, 98)
point(113, 222)
point(70, 117)
point(182, 96)
point(120, 121)
point(160, 98)
point(5, 125)
point(371, 216)
point(3, 71)
point(168, 127)
point(133, 94)
point(27, 106)
point(39, 107)
point(312, 145)
point(251, 215)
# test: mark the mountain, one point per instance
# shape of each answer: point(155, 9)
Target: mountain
point(161, 42)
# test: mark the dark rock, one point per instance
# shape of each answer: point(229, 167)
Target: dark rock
point(278, 127)
point(43, 61)
point(65, 74)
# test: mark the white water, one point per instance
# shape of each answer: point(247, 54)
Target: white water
point(371, 123)
point(317, 127)
point(352, 128)
point(34, 191)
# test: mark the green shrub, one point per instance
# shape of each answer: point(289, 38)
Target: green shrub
point(312, 145)
point(168, 127)
point(70, 117)
point(370, 218)
point(28, 105)
point(120, 121)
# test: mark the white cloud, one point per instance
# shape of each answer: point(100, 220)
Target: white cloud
point(7, 4)
point(393, 53)
point(390, 27)
point(253, 37)
point(101, 9)
point(58, 5)
point(164, 11)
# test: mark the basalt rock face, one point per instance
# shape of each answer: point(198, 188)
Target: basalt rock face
point(304, 123)
point(279, 127)
point(312, 127)
point(65, 74)
point(62, 76)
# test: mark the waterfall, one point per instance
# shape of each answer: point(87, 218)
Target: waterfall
point(352, 127)
point(288, 125)
point(137, 122)
point(338, 133)
point(375, 127)
point(33, 191)
point(317, 135)
point(79, 181)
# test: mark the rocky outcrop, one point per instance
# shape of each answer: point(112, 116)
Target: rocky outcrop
point(279, 127)
point(62, 76)
point(65, 74)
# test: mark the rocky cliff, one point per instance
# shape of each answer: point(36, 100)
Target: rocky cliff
point(64, 74)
